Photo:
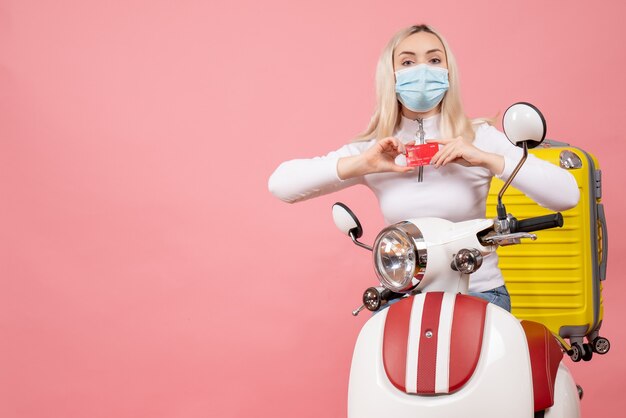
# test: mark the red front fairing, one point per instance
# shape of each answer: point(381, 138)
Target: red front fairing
point(462, 341)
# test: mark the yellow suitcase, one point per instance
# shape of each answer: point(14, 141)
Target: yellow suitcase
point(557, 279)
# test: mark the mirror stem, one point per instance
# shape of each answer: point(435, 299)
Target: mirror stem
point(500, 208)
point(360, 244)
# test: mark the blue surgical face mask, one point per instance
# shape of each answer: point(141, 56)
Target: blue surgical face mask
point(422, 87)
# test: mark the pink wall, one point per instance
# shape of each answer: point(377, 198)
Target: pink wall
point(146, 271)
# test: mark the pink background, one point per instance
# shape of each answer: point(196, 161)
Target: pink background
point(146, 271)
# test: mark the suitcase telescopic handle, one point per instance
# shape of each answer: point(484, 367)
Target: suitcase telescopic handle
point(538, 223)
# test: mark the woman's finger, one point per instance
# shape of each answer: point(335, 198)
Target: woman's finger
point(455, 153)
point(402, 169)
point(452, 157)
point(388, 144)
point(397, 144)
point(442, 141)
point(442, 155)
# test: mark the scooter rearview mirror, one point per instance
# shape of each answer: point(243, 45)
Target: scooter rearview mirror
point(525, 127)
point(523, 122)
point(346, 220)
point(348, 223)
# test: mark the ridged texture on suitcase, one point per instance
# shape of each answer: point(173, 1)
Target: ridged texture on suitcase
point(555, 279)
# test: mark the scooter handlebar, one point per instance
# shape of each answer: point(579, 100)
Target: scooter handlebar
point(538, 223)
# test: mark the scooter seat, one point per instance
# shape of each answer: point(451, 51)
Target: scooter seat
point(545, 356)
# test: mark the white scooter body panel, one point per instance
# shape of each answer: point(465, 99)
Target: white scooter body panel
point(566, 399)
point(500, 386)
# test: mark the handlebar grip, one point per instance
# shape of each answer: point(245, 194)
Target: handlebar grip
point(540, 222)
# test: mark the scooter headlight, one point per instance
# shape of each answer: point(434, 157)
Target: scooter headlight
point(400, 257)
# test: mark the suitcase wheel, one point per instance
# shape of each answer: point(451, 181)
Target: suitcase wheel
point(588, 352)
point(601, 345)
point(576, 352)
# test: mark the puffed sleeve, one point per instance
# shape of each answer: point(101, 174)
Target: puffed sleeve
point(301, 179)
point(547, 184)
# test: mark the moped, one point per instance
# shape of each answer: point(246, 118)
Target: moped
point(431, 350)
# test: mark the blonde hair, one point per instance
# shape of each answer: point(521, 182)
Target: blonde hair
point(387, 115)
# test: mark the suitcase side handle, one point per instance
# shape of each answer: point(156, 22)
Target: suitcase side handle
point(604, 241)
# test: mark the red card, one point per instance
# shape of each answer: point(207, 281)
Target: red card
point(417, 155)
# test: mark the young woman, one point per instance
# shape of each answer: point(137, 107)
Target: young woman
point(418, 100)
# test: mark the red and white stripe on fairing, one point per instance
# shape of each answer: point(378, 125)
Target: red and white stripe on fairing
point(432, 342)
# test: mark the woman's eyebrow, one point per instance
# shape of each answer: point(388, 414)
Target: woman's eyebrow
point(430, 51)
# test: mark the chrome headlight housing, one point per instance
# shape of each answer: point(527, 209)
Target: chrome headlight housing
point(400, 256)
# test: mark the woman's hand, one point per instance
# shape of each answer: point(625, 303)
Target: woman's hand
point(461, 151)
point(377, 159)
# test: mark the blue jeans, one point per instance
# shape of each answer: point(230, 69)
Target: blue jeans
point(498, 296)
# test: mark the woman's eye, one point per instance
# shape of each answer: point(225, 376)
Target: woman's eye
point(407, 62)
point(435, 61)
